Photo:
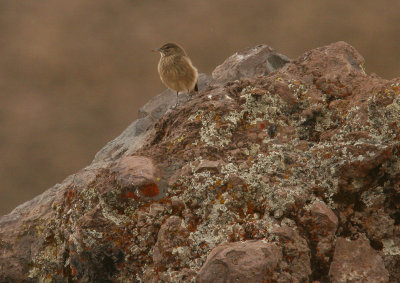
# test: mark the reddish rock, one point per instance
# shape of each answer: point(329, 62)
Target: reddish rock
point(139, 175)
point(209, 165)
point(321, 224)
point(296, 254)
point(259, 153)
point(357, 261)
point(340, 64)
point(250, 261)
point(135, 171)
point(172, 243)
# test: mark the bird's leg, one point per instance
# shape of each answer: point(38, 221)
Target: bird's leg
point(189, 94)
point(196, 89)
point(176, 99)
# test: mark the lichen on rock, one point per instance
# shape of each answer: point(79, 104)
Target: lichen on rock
point(276, 168)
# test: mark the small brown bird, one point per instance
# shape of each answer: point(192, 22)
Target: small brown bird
point(176, 69)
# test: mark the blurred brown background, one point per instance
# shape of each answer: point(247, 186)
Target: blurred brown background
point(74, 73)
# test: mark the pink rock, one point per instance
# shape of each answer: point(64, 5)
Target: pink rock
point(322, 226)
point(138, 173)
point(250, 261)
point(356, 261)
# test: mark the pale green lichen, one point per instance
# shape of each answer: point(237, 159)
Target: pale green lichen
point(46, 261)
point(301, 92)
point(111, 214)
point(266, 107)
point(390, 247)
point(213, 135)
point(92, 237)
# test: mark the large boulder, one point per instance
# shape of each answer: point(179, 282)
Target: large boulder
point(276, 170)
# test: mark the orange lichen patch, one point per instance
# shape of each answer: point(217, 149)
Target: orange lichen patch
point(241, 213)
point(192, 224)
point(73, 271)
point(219, 197)
point(88, 248)
point(160, 269)
point(150, 190)
point(131, 195)
point(348, 211)
point(250, 207)
point(70, 195)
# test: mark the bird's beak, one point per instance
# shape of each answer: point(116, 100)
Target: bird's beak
point(156, 50)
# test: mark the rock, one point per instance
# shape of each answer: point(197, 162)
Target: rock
point(250, 261)
point(249, 63)
point(332, 67)
point(172, 243)
point(136, 134)
point(139, 175)
point(135, 171)
point(158, 105)
point(287, 158)
point(321, 224)
point(356, 261)
point(130, 140)
point(296, 253)
point(209, 165)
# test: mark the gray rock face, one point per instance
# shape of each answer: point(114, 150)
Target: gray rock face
point(249, 63)
point(136, 134)
point(275, 174)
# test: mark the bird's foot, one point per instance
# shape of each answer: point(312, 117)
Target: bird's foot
point(176, 104)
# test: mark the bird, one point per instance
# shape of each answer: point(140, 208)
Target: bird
point(176, 69)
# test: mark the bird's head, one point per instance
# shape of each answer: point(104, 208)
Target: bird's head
point(169, 49)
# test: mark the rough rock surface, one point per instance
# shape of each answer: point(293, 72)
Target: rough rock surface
point(283, 175)
point(357, 261)
point(255, 61)
point(249, 261)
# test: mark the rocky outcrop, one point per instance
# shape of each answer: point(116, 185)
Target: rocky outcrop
point(276, 171)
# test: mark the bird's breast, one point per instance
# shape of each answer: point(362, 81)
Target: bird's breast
point(177, 72)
